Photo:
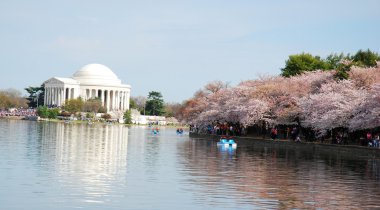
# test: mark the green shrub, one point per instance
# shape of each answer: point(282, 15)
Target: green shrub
point(53, 113)
point(43, 112)
point(127, 117)
point(89, 115)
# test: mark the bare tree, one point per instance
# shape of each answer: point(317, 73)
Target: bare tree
point(140, 102)
point(215, 86)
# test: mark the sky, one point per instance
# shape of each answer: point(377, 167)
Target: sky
point(176, 46)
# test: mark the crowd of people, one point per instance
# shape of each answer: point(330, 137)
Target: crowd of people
point(229, 129)
point(292, 133)
point(373, 140)
point(18, 112)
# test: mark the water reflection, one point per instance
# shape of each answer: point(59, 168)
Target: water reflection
point(227, 151)
point(89, 156)
point(65, 166)
point(279, 177)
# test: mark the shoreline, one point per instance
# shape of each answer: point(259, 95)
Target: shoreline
point(37, 119)
point(347, 150)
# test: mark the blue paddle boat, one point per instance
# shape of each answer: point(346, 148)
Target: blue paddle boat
point(155, 131)
point(179, 131)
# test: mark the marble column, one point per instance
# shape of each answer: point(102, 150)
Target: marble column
point(108, 100)
point(123, 100)
point(63, 95)
point(112, 100)
point(117, 100)
point(58, 97)
point(86, 94)
point(49, 96)
point(46, 96)
point(72, 93)
point(102, 97)
point(127, 100)
point(52, 96)
point(69, 94)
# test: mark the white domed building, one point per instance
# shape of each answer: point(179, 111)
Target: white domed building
point(91, 81)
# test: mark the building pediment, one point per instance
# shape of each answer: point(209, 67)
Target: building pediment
point(61, 81)
point(53, 81)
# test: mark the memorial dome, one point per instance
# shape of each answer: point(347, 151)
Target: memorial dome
point(96, 74)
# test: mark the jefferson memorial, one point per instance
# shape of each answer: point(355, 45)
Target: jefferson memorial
point(91, 81)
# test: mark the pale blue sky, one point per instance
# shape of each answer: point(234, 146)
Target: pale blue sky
point(176, 47)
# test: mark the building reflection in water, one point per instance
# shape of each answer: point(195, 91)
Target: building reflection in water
point(86, 158)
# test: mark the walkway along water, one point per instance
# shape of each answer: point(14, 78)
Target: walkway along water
point(345, 150)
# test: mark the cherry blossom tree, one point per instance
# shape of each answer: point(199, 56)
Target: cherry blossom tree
point(365, 77)
point(367, 115)
point(241, 107)
point(332, 107)
point(282, 94)
point(313, 99)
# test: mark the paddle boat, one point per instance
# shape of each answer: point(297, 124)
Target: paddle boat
point(226, 142)
point(155, 131)
point(179, 131)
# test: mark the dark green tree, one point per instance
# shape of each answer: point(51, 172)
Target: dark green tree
point(155, 104)
point(297, 64)
point(36, 96)
point(365, 58)
point(127, 117)
point(333, 60)
point(341, 72)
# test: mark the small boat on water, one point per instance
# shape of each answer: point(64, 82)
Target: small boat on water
point(226, 142)
point(179, 131)
point(156, 131)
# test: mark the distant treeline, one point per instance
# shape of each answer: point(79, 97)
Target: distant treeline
point(299, 63)
point(12, 98)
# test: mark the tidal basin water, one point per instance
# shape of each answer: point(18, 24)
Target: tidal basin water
point(47, 165)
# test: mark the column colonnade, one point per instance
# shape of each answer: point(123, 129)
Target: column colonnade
point(57, 96)
point(113, 99)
